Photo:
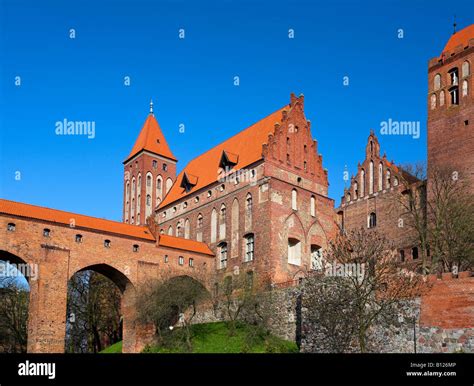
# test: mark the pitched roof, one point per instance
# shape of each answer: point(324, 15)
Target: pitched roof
point(58, 216)
point(151, 138)
point(243, 148)
point(460, 38)
point(20, 209)
point(185, 244)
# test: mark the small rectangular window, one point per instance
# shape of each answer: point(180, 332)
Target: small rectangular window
point(191, 262)
point(249, 248)
point(166, 258)
point(402, 255)
point(223, 256)
point(11, 227)
point(181, 260)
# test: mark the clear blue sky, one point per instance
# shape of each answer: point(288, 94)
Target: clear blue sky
point(191, 82)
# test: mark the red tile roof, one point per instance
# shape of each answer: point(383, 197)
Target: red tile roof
point(58, 216)
point(244, 148)
point(151, 138)
point(185, 244)
point(460, 38)
point(391, 165)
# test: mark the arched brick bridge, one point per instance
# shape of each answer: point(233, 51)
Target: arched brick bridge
point(61, 244)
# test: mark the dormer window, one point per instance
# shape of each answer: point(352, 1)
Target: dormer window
point(188, 182)
point(228, 160)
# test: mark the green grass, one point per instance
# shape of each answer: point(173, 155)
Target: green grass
point(116, 348)
point(215, 338)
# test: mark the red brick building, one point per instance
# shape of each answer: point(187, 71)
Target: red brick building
point(370, 201)
point(259, 199)
point(451, 106)
point(256, 203)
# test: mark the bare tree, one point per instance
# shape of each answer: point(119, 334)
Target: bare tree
point(14, 301)
point(170, 301)
point(408, 203)
point(249, 299)
point(93, 313)
point(440, 212)
point(450, 220)
point(330, 312)
point(369, 274)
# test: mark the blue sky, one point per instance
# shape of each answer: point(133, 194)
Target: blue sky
point(191, 82)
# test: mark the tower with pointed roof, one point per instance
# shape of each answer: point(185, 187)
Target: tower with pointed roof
point(149, 172)
point(451, 106)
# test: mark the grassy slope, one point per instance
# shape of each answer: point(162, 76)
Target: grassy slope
point(116, 348)
point(214, 338)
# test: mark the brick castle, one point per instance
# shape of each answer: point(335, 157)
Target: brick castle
point(256, 203)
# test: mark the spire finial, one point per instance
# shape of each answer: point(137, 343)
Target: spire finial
point(151, 107)
point(454, 25)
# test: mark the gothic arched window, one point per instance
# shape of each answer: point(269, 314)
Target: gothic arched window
point(465, 69)
point(437, 82)
point(464, 88)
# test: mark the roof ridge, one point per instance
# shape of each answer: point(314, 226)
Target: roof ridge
point(247, 144)
point(68, 212)
point(235, 135)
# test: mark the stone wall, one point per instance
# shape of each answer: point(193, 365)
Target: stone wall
point(421, 325)
point(283, 313)
point(442, 320)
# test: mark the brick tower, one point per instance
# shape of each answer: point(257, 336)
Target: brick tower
point(451, 107)
point(149, 172)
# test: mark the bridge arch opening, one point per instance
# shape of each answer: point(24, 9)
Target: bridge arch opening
point(15, 276)
point(100, 310)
